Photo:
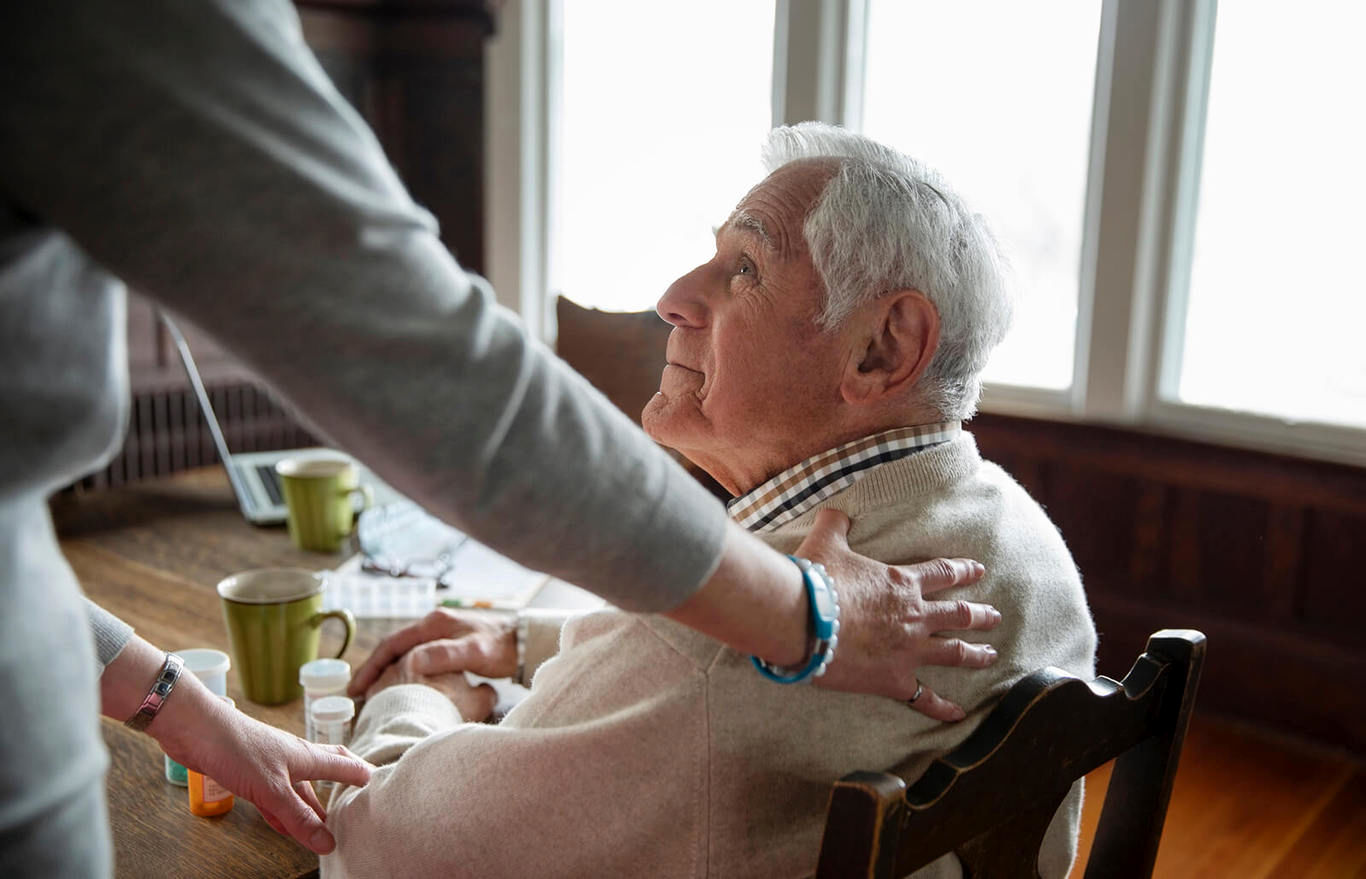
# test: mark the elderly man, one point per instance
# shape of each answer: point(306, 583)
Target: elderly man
point(822, 359)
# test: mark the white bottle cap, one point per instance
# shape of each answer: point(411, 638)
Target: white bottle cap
point(210, 666)
point(203, 660)
point(332, 709)
point(325, 674)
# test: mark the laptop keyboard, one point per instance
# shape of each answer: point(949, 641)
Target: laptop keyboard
point(270, 481)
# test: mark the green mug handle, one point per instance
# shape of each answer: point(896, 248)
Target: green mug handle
point(347, 620)
point(367, 496)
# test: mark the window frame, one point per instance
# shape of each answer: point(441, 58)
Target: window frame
point(1151, 89)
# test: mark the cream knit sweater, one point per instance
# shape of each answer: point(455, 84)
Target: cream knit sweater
point(646, 749)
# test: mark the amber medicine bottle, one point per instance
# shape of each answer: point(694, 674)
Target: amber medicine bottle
point(207, 797)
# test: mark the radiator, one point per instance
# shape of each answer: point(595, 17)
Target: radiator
point(167, 434)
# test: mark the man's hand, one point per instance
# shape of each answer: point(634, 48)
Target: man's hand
point(475, 704)
point(888, 629)
point(446, 641)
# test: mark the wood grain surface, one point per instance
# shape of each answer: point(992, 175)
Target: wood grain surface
point(1248, 804)
point(152, 554)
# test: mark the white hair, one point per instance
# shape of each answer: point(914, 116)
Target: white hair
point(886, 222)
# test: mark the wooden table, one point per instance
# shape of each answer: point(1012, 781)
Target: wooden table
point(152, 554)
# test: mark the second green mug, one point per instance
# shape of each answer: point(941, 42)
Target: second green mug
point(319, 499)
point(273, 617)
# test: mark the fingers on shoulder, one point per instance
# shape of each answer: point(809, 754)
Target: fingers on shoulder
point(936, 707)
point(959, 653)
point(963, 615)
point(942, 573)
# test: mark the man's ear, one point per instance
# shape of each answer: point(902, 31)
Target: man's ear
point(899, 338)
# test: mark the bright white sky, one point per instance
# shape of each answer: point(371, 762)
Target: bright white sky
point(997, 95)
point(664, 107)
point(1277, 317)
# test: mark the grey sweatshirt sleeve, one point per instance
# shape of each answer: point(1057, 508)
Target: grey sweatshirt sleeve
point(111, 634)
point(198, 151)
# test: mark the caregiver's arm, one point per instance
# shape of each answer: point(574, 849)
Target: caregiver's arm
point(198, 151)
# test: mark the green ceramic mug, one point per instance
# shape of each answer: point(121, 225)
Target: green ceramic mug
point(319, 495)
point(273, 617)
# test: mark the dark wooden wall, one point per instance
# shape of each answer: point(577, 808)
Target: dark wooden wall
point(415, 70)
point(1266, 554)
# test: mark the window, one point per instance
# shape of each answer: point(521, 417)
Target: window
point(1274, 316)
point(663, 108)
point(1178, 185)
point(998, 96)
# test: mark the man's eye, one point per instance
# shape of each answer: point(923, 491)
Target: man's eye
point(745, 266)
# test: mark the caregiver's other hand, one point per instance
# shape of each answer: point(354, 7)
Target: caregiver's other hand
point(257, 762)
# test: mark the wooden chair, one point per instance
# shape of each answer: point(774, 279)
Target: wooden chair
point(621, 353)
point(991, 799)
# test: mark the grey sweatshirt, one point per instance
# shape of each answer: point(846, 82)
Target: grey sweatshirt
point(197, 151)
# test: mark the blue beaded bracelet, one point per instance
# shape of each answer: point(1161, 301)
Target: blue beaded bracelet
point(825, 616)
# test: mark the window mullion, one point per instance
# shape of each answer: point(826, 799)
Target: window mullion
point(816, 45)
point(1116, 322)
point(1186, 151)
point(518, 131)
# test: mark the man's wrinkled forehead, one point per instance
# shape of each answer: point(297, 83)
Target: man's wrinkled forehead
point(774, 211)
point(750, 225)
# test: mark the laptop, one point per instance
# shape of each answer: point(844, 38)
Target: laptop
point(252, 475)
point(400, 543)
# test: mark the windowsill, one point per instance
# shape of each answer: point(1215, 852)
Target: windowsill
point(1239, 430)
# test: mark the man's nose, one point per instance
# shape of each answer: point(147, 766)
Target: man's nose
point(682, 304)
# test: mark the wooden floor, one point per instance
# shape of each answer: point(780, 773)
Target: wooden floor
point(1248, 805)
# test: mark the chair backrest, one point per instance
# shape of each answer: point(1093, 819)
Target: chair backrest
point(990, 800)
point(622, 355)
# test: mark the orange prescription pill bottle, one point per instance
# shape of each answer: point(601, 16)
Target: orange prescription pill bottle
point(207, 797)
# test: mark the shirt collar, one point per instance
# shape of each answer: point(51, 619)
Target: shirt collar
point(802, 486)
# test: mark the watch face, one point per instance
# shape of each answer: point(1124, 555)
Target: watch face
point(825, 608)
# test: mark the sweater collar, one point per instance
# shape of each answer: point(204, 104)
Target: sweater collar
point(802, 486)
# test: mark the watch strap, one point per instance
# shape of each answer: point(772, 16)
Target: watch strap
point(824, 628)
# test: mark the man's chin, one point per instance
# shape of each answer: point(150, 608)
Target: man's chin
point(664, 420)
point(654, 419)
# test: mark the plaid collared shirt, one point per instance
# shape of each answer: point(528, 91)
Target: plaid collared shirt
point(799, 488)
